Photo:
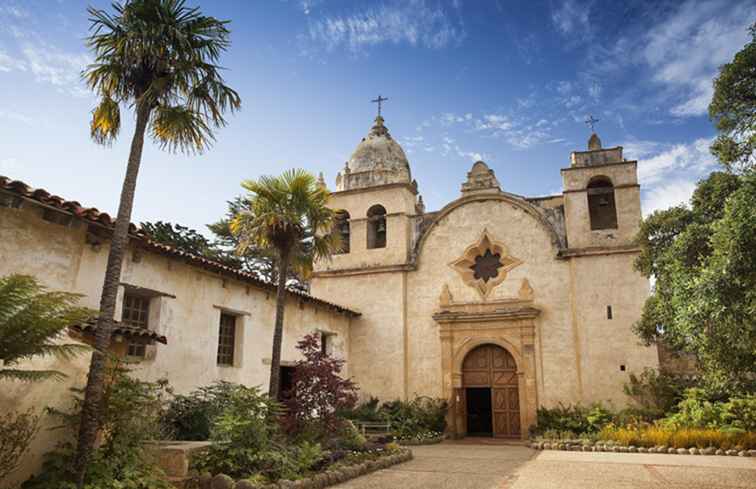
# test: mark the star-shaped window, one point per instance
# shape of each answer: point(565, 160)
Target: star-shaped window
point(485, 264)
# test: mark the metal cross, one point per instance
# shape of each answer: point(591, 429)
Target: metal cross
point(591, 122)
point(379, 101)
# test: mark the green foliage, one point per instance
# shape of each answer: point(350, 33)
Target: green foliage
point(191, 416)
point(576, 420)
point(422, 416)
point(249, 441)
point(287, 216)
point(161, 56)
point(350, 437)
point(189, 241)
point(253, 260)
point(130, 416)
point(16, 433)
point(704, 299)
point(32, 322)
point(733, 109)
point(696, 411)
point(658, 392)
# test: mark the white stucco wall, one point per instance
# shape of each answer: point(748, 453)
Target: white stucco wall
point(61, 259)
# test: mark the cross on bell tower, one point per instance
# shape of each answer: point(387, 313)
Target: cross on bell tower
point(591, 121)
point(379, 101)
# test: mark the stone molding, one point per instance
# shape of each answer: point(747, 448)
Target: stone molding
point(463, 265)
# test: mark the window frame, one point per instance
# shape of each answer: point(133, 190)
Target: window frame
point(135, 349)
point(226, 354)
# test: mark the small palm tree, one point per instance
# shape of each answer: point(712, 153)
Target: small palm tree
point(32, 321)
point(158, 57)
point(287, 215)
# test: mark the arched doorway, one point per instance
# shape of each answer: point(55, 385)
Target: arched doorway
point(492, 398)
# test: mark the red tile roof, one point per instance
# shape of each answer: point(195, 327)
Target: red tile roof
point(93, 216)
point(89, 326)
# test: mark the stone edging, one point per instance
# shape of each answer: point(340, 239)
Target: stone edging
point(604, 447)
point(318, 481)
point(428, 441)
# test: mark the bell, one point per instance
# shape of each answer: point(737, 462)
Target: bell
point(381, 226)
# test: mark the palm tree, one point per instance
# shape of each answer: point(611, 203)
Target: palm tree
point(158, 57)
point(287, 215)
point(32, 320)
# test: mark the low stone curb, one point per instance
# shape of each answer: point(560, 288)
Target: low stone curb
point(602, 447)
point(414, 443)
point(318, 481)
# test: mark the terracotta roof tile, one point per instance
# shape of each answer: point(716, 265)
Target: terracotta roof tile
point(94, 216)
point(89, 327)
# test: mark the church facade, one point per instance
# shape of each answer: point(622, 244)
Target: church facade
point(497, 302)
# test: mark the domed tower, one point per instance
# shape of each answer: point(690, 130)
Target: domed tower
point(378, 160)
point(378, 207)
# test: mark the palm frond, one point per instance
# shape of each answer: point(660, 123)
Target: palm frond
point(161, 53)
point(180, 129)
point(106, 121)
point(31, 375)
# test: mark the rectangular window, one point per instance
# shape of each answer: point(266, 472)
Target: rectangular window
point(324, 343)
point(136, 311)
point(608, 312)
point(226, 339)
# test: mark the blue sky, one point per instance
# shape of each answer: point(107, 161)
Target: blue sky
point(506, 81)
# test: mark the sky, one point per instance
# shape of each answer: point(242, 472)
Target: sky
point(508, 82)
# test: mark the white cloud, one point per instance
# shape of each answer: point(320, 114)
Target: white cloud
point(571, 18)
point(16, 117)
point(9, 63)
point(56, 67)
point(668, 195)
point(564, 87)
point(691, 158)
point(686, 49)
point(412, 22)
point(496, 122)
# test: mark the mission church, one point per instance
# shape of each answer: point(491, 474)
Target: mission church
point(497, 302)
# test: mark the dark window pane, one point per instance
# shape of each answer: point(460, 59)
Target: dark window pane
point(136, 312)
point(226, 339)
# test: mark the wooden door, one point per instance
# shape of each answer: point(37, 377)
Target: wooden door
point(494, 367)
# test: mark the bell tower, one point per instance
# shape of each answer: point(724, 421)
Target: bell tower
point(601, 197)
point(379, 207)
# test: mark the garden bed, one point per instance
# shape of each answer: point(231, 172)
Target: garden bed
point(588, 446)
point(422, 440)
point(331, 475)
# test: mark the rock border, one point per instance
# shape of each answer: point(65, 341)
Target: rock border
point(318, 481)
point(568, 445)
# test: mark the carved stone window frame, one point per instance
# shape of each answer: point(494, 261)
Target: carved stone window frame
point(463, 265)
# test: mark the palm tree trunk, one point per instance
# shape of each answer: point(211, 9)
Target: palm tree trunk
point(275, 363)
point(90, 411)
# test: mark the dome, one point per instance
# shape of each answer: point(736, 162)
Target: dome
point(378, 151)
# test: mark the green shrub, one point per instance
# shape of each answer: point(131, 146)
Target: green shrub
point(658, 392)
point(190, 416)
point(696, 411)
point(130, 416)
point(350, 437)
point(409, 419)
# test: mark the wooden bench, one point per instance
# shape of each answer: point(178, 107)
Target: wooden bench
point(374, 429)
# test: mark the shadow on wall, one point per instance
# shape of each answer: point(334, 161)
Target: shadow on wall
point(22, 396)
